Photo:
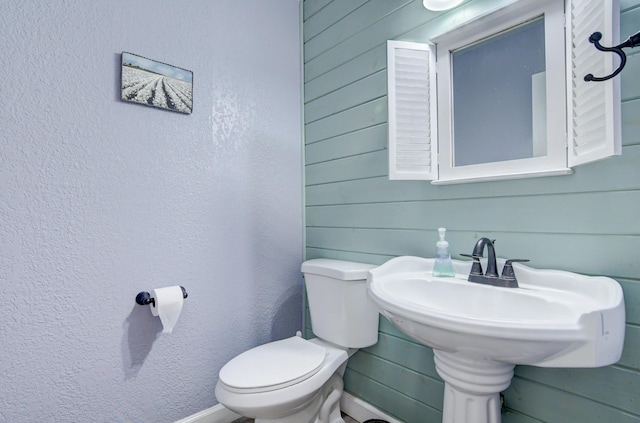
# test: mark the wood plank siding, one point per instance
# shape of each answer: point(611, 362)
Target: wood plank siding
point(588, 222)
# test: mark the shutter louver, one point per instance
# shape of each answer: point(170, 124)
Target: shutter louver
point(411, 97)
point(594, 111)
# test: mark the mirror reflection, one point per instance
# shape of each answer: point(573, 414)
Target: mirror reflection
point(507, 72)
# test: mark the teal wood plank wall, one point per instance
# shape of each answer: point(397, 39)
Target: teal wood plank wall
point(588, 222)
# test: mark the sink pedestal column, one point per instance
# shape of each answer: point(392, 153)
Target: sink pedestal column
point(472, 388)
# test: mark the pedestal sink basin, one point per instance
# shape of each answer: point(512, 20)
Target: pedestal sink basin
point(480, 332)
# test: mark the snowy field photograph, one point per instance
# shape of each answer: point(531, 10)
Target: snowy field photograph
point(156, 84)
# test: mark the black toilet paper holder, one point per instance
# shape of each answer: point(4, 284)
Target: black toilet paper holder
point(144, 298)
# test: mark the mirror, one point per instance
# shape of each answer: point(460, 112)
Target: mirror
point(501, 94)
point(507, 72)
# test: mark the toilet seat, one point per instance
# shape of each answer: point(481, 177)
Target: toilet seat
point(273, 366)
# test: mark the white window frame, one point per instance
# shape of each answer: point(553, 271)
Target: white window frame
point(578, 113)
point(555, 161)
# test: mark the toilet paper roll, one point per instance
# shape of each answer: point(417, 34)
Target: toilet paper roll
point(168, 306)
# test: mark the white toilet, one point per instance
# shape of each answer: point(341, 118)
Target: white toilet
point(300, 381)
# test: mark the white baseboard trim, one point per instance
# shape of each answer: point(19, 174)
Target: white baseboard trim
point(353, 406)
point(216, 414)
point(361, 410)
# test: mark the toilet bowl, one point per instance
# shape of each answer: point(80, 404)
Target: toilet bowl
point(295, 380)
point(287, 389)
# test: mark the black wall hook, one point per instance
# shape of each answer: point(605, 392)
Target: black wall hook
point(144, 298)
point(631, 42)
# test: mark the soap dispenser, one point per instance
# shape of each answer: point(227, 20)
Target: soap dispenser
point(443, 265)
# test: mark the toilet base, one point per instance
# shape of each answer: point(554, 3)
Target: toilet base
point(313, 400)
point(323, 408)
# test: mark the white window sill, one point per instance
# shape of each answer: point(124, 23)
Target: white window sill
point(468, 180)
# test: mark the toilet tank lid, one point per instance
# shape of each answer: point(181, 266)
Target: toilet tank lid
point(338, 269)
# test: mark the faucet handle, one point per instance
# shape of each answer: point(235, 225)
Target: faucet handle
point(507, 270)
point(476, 267)
point(516, 261)
point(474, 257)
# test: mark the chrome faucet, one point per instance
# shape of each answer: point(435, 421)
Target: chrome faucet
point(490, 277)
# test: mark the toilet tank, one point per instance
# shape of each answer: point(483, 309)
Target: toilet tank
point(340, 308)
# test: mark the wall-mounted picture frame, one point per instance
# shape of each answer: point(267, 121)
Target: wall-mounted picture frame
point(152, 83)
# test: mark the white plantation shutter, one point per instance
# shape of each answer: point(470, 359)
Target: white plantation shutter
point(594, 107)
point(412, 107)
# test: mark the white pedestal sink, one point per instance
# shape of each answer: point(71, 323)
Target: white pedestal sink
point(480, 332)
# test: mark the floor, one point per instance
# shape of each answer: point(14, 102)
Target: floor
point(346, 418)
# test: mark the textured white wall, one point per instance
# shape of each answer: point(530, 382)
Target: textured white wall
point(101, 199)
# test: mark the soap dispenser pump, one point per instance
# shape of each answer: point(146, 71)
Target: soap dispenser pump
point(443, 265)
